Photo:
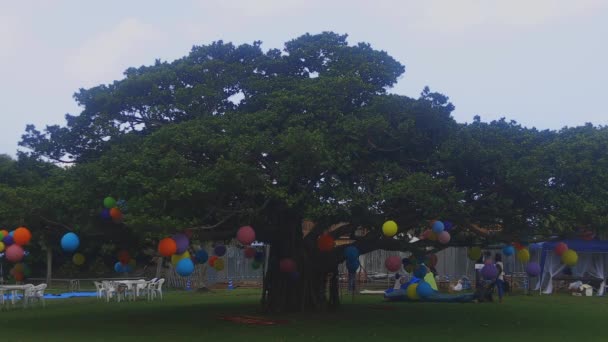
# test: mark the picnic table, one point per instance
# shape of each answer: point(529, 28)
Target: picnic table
point(14, 289)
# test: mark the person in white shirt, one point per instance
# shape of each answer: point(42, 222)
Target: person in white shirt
point(500, 279)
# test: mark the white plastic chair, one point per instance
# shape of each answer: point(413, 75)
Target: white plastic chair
point(110, 290)
point(100, 289)
point(35, 293)
point(156, 289)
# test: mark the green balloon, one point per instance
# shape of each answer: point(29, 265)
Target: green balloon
point(109, 202)
point(255, 265)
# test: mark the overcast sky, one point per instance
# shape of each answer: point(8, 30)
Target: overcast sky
point(540, 62)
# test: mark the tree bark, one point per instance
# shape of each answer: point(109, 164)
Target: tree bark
point(49, 265)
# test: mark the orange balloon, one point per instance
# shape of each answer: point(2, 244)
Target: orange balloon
point(167, 247)
point(212, 260)
point(22, 236)
point(19, 276)
point(124, 257)
point(4, 232)
point(116, 214)
point(325, 243)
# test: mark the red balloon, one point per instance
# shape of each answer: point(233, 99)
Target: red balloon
point(287, 265)
point(212, 260)
point(19, 276)
point(560, 248)
point(325, 243)
point(124, 257)
point(22, 236)
point(246, 235)
point(518, 246)
point(393, 263)
point(167, 247)
point(116, 214)
point(249, 252)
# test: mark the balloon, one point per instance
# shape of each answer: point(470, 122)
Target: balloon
point(259, 256)
point(124, 257)
point(392, 263)
point(447, 226)
point(184, 267)
point(201, 256)
point(426, 234)
point(533, 269)
point(560, 248)
point(433, 236)
point(3, 233)
point(518, 246)
point(352, 265)
point(570, 257)
point(389, 228)
point(27, 271)
point(255, 265)
point(287, 265)
point(410, 268)
point(109, 202)
point(219, 250)
point(12, 233)
point(508, 250)
point(249, 253)
point(351, 252)
point(119, 268)
point(22, 236)
point(444, 237)
point(420, 271)
point(8, 240)
point(405, 262)
point(489, 271)
point(438, 227)
point(179, 257)
point(189, 233)
point(219, 264)
point(105, 214)
point(116, 214)
point(19, 276)
point(474, 253)
point(167, 247)
point(19, 267)
point(412, 292)
point(212, 260)
point(424, 289)
point(245, 235)
point(70, 242)
point(523, 255)
point(132, 263)
point(78, 259)
point(325, 243)
point(2, 247)
point(182, 243)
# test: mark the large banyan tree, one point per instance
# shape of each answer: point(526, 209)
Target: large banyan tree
point(232, 135)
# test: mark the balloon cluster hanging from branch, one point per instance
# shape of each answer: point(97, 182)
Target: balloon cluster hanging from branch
point(113, 209)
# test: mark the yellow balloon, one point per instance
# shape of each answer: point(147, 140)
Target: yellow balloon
point(570, 257)
point(389, 228)
point(132, 263)
point(474, 253)
point(175, 258)
point(523, 255)
point(411, 292)
point(219, 264)
point(2, 246)
point(78, 259)
point(19, 267)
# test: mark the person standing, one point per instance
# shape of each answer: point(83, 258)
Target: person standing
point(500, 279)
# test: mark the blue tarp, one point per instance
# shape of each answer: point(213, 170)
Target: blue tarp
point(63, 295)
point(580, 246)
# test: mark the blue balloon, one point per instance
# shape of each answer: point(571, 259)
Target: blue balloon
point(12, 233)
point(118, 267)
point(508, 250)
point(105, 214)
point(438, 227)
point(184, 267)
point(351, 252)
point(259, 256)
point(70, 242)
point(219, 250)
point(447, 226)
point(352, 265)
point(405, 262)
point(201, 256)
point(8, 240)
point(424, 289)
point(420, 272)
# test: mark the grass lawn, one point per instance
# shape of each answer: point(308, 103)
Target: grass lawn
point(189, 316)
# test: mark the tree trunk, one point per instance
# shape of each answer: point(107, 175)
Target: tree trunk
point(49, 265)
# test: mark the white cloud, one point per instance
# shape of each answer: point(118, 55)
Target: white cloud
point(104, 57)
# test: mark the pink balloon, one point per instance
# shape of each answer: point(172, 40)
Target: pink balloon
point(14, 253)
point(393, 263)
point(287, 265)
point(444, 237)
point(426, 234)
point(560, 248)
point(246, 235)
point(249, 252)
